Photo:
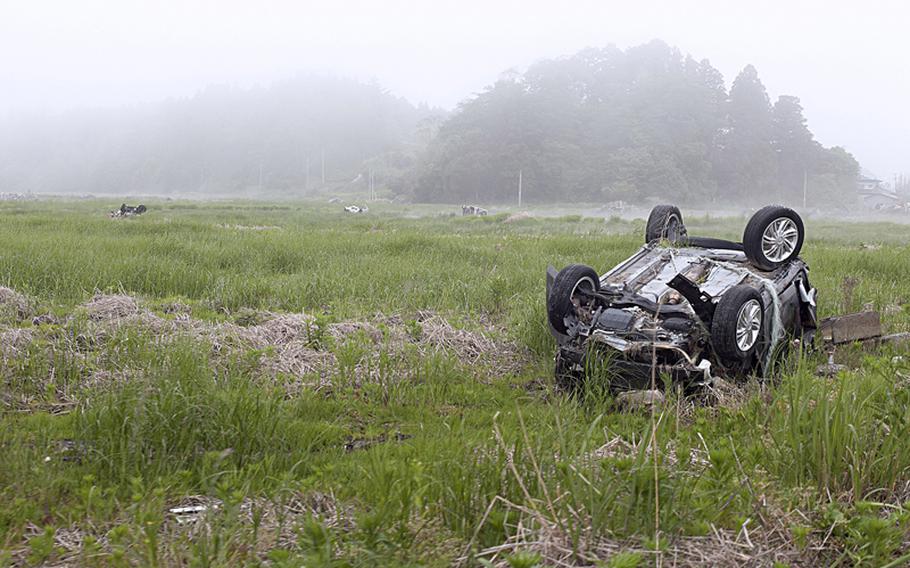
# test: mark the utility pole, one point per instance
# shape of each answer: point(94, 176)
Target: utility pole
point(370, 184)
point(308, 172)
point(805, 186)
point(519, 189)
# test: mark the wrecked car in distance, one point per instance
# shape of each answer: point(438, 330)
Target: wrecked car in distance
point(684, 308)
point(128, 211)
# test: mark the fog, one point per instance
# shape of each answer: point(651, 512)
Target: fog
point(843, 60)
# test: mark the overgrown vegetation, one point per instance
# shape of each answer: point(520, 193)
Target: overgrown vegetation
point(415, 420)
point(607, 124)
point(598, 125)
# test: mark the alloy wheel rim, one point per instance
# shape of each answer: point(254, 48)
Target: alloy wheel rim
point(779, 239)
point(586, 284)
point(748, 324)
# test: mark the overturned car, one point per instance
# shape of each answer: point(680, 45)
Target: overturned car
point(685, 308)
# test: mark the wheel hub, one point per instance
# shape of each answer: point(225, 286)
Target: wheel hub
point(748, 325)
point(779, 239)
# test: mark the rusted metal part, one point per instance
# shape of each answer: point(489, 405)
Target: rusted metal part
point(861, 326)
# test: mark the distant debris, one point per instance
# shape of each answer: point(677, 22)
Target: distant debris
point(128, 211)
point(335, 200)
point(17, 197)
point(357, 209)
point(472, 210)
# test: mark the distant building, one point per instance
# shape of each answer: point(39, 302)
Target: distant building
point(876, 196)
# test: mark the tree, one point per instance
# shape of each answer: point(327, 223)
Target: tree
point(221, 140)
point(833, 184)
point(797, 151)
point(748, 164)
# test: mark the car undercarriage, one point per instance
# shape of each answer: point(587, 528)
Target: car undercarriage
point(684, 309)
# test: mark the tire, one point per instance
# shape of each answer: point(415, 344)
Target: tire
point(567, 282)
point(712, 243)
point(737, 302)
point(665, 222)
point(773, 237)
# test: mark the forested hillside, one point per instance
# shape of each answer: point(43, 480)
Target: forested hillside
point(223, 140)
point(601, 125)
point(607, 124)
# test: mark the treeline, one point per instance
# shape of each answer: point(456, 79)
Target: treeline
point(648, 122)
point(291, 137)
point(601, 125)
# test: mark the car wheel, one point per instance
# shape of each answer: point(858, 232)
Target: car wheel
point(564, 296)
point(773, 237)
point(665, 222)
point(736, 328)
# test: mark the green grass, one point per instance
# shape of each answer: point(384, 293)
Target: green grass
point(457, 457)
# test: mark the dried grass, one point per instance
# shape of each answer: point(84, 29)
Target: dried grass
point(14, 342)
point(294, 347)
point(107, 307)
point(751, 545)
point(15, 304)
point(278, 523)
point(279, 520)
point(469, 347)
point(341, 332)
point(278, 330)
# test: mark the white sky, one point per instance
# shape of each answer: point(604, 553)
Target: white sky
point(847, 61)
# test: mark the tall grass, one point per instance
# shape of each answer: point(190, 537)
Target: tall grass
point(433, 458)
point(845, 435)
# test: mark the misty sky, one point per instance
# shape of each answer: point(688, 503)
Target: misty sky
point(847, 61)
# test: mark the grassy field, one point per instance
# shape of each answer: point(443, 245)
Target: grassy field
point(243, 384)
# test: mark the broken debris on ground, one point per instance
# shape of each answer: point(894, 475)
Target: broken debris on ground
point(128, 211)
